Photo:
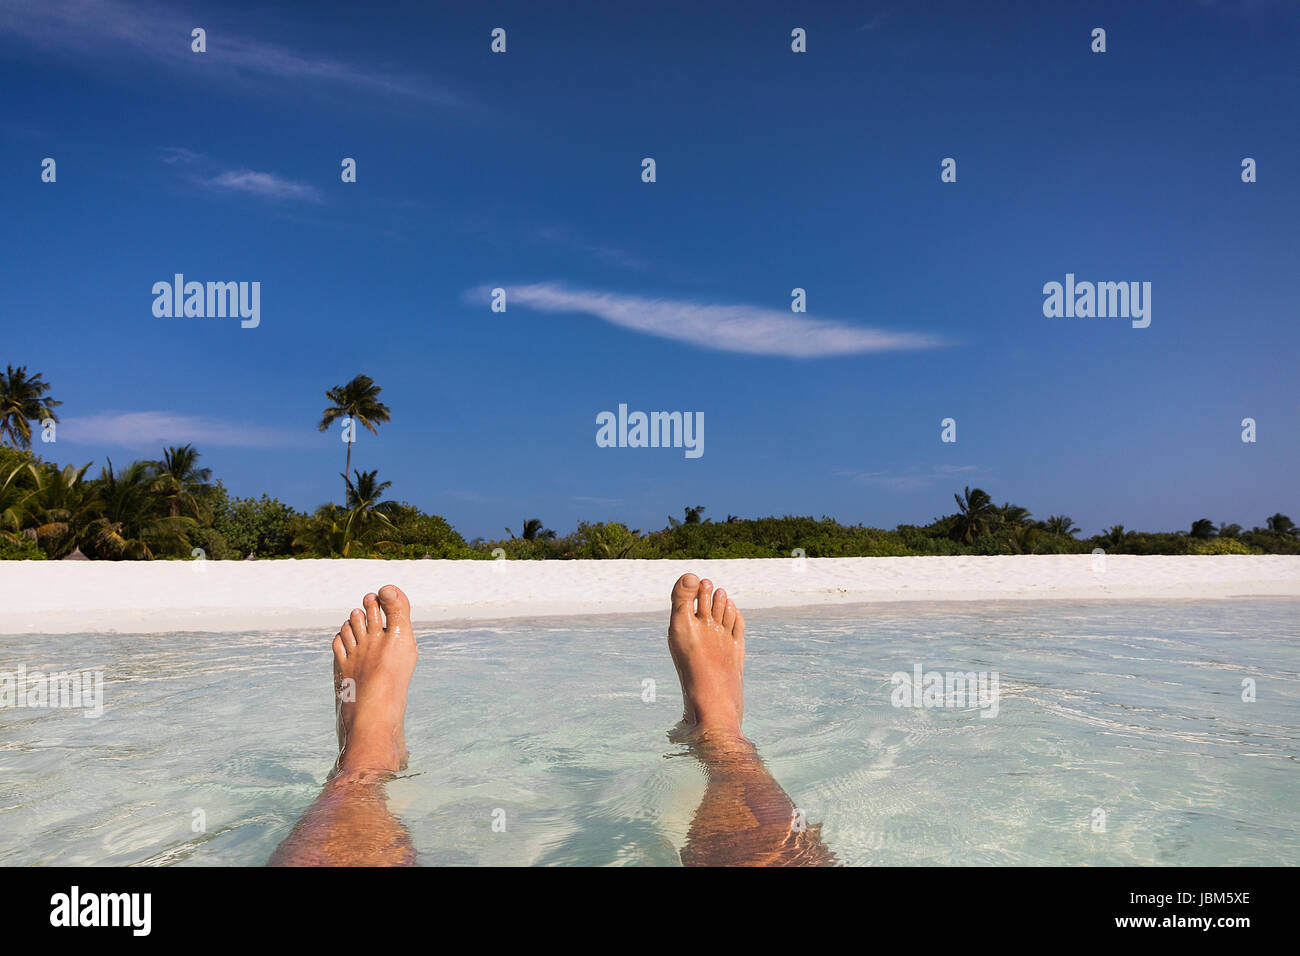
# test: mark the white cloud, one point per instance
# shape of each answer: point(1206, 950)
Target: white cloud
point(152, 430)
point(91, 28)
point(180, 156)
point(264, 184)
point(727, 328)
point(201, 170)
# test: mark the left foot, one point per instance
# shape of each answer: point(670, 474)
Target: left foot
point(706, 637)
point(373, 664)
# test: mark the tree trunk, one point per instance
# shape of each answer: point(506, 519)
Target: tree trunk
point(347, 473)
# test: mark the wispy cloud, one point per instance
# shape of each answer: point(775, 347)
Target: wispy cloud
point(152, 430)
point(202, 171)
point(727, 328)
point(180, 156)
point(908, 479)
point(264, 184)
point(611, 255)
point(94, 28)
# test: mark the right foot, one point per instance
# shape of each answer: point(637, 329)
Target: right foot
point(706, 637)
point(373, 663)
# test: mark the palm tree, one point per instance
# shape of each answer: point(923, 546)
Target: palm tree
point(14, 496)
point(977, 514)
point(319, 533)
point(535, 531)
point(62, 506)
point(1229, 530)
point(357, 400)
point(692, 516)
point(1062, 525)
point(23, 400)
point(1014, 514)
point(1114, 536)
point(367, 490)
point(364, 511)
point(1202, 529)
point(129, 524)
point(1022, 537)
point(177, 477)
point(1022, 534)
point(1281, 524)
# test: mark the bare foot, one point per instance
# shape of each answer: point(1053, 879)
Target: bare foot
point(373, 663)
point(706, 637)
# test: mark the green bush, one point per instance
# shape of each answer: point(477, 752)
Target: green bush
point(134, 512)
point(24, 549)
point(416, 534)
point(608, 539)
point(260, 525)
point(214, 544)
point(1270, 542)
point(521, 549)
point(1223, 546)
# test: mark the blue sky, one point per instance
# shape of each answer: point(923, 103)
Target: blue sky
point(775, 170)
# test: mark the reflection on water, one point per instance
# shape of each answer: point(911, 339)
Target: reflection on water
point(210, 746)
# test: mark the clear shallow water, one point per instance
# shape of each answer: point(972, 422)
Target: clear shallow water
point(1134, 708)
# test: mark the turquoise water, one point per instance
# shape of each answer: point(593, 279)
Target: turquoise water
point(1132, 708)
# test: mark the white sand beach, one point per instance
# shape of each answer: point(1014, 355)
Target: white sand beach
point(61, 597)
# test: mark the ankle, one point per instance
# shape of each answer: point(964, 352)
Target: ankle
point(370, 752)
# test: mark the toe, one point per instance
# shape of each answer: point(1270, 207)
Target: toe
point(729, 616)
point(340, 652)
point(738, 629)
point(397, 610)
point(349, 639)
point(374, 623)
point(705, 599)
point(358, 622)
point(719, 604)
point(683, 597)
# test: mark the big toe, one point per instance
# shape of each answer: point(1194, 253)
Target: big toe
point(684, 590)
point(397, 610)
point(683, 596)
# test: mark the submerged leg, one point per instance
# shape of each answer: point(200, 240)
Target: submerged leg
point(745, 818)
point(350, 824)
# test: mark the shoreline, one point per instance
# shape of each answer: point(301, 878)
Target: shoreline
point(66, 597)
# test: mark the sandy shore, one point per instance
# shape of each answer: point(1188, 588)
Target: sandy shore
point(55, 597)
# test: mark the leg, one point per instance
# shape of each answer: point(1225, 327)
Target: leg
point(745, 818)
point(349, 824)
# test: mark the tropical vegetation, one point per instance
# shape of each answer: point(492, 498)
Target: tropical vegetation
point(171, 508)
